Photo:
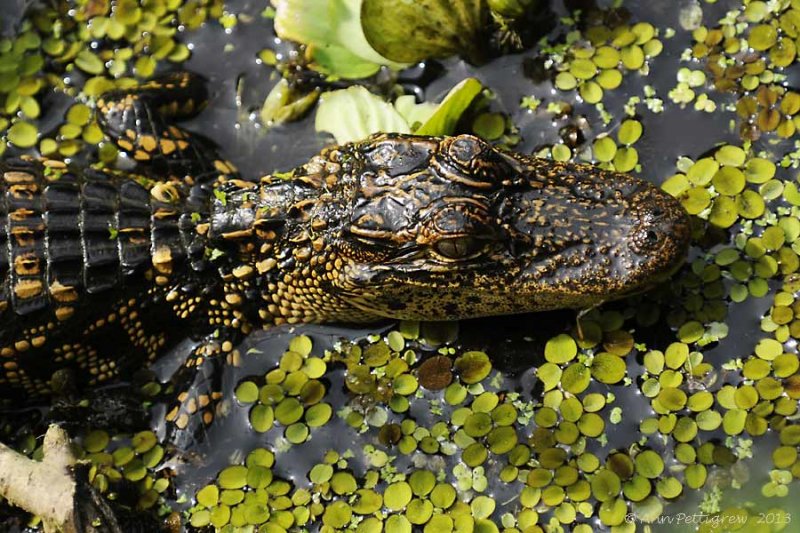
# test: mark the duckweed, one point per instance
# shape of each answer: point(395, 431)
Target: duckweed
point(598, 61)
point(542, 441)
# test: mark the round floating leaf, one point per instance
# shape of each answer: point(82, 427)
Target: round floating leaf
point(473, 367)
point(608, 368)
point(759, 170)
point(649, 464)
point(561, 152)
point(560, 349)
point(482, 506)
point(605, 485)
point(672, 398)
point(296, 433)
point(288, 411)
point(591, 425)
point(604, 149)
point(443, 495)
point(337, 514)
point(565, 81)
point(701, 172)
point(609, 79)
point(96, 441)
point(246, 392)
point(729, 180)
point(583, 69)
point(22, 134)
point(208, 496)
point(419, 511)
point(762, 37)
point(750, 204)
point(591, 92)
point(606, 57)
point(301, 345)
point(632, 57)
point(489, 126)
point(696, 199)
point(397, 495)
point(478, 424)
point(768, 349)
point(143, 441)
point(261, 418)
point(723, 212)
point(435, 373)
point(649, 509)
point(629, 131)
point(367, 502)
point(502, 439)
point(318, 415)
point(575, 378)
point(732, 156)
point(474, 455)
point(233, 477)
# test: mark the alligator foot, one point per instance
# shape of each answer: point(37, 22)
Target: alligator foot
point(197, 389)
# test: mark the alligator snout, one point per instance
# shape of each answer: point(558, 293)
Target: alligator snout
point(663, 232)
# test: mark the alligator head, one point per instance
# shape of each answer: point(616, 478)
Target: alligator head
point(430, 228)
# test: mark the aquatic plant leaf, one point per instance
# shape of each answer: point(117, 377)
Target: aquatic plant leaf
point(355, 113)
point(341, 62)
point(332, 30)
point(430, 28)
point(282, 105)
point(415, 114)
point(443, 120)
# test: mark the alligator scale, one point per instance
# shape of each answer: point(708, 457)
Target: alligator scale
point(103, 269)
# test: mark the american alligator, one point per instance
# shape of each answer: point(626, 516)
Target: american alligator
point(103, 269)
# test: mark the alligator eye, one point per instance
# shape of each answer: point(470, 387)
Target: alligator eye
point(465, 148)
point(458, 247)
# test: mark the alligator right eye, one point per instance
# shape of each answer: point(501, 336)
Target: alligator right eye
point(456, 248)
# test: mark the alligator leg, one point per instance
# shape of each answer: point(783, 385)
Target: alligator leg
point(140, 121)
point(197, 392)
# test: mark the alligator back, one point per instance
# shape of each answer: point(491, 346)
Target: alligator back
point(84, 257)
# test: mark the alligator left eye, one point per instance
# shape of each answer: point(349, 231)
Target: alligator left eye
point(465, 147)
point(458, 247)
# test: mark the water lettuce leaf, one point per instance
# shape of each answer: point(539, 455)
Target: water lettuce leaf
point(443, 120)
point(355, 113)
point(415, 114)
point(332, 31)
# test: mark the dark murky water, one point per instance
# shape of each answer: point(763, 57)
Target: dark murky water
point(228, 60)
point(518, 341)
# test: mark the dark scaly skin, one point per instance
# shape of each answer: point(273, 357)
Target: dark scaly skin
point(101, 271)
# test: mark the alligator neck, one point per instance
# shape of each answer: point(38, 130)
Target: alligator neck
point(272, 241)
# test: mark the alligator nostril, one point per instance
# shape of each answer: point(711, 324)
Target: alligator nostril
point(657, 212)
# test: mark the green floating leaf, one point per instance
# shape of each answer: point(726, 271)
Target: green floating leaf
point(430, 28)
point(282, 105)
point(443, 120)
point(23, 134)
point(332, 29)
point(355, 113)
